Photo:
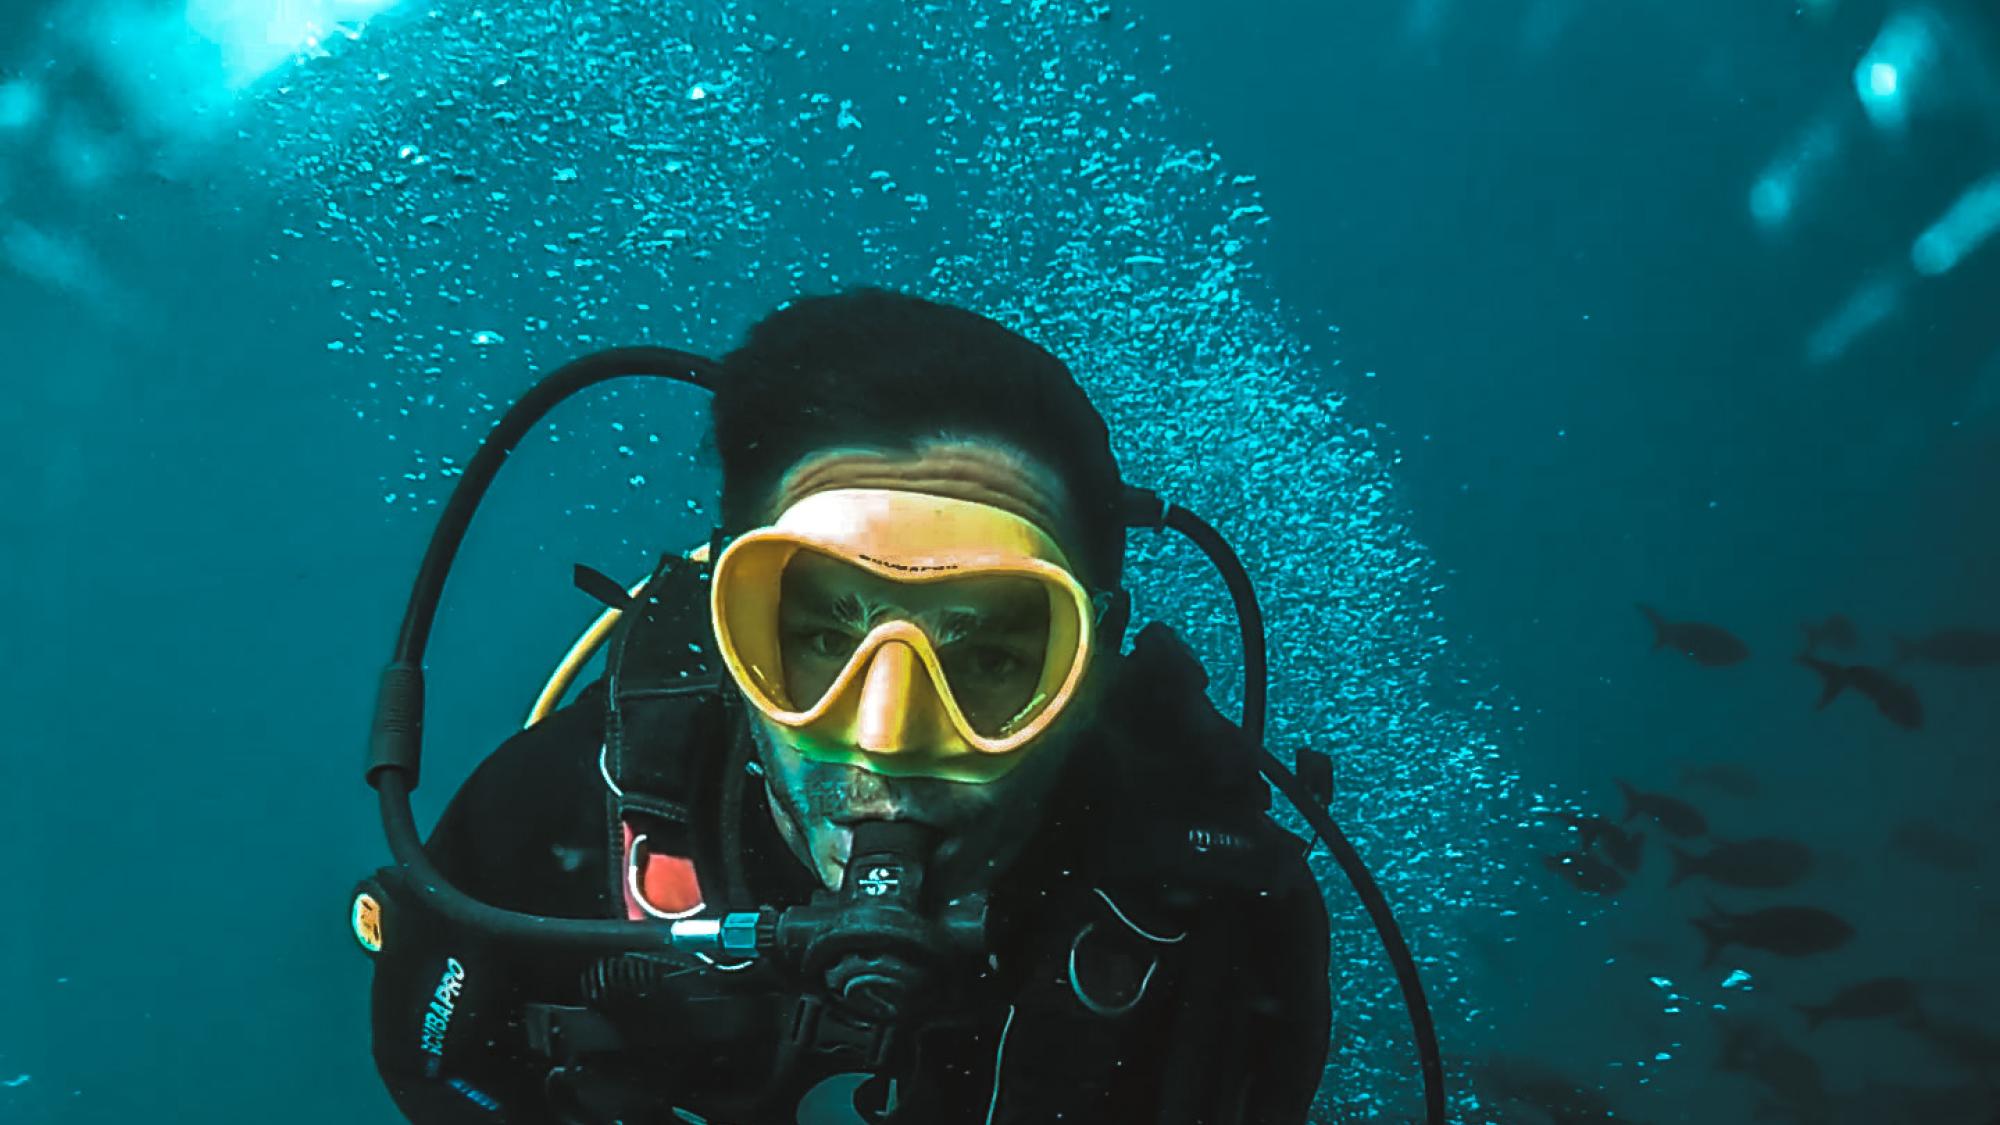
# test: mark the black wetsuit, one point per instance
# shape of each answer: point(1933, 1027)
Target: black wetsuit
point(1159, 830)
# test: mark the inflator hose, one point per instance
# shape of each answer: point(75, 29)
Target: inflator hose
point(1255, 688)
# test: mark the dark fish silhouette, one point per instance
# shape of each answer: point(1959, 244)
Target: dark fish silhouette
point(1971, 1047)
point(1742, 1039)
point(1896, 700)
point(1586, 873)
point(1504, 1078)
point(1793, 1078)
point(1963, 648)
point(1623, 847)
point(1934, 847)
point(1835, 632)
point(1761, 863)
point(1671, 813)
point(1724, 778)
point(1875, 999)
point(1788, 931)
point(1787, 1073)
point(1709, 645)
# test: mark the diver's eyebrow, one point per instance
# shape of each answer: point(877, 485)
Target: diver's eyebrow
point(847, 608)
point(860, 613)
point(819, 601)
point(1017, 617)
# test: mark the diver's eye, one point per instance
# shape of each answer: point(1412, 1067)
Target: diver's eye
point(825, 643)
point(994, 661)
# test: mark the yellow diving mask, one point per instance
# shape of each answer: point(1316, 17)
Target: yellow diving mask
point(906, 633)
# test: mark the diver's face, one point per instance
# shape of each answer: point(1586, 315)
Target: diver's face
point(995, 631)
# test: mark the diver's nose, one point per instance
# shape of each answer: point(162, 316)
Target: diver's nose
point(887, 717)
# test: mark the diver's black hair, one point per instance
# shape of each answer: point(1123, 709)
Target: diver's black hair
point(869, 367)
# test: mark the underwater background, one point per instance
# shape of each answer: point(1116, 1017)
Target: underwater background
point(1473, 326)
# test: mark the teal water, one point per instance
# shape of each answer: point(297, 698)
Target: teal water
point(1470, 325)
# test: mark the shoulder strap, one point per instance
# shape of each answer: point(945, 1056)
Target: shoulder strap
point(664, 703)
point(1198, 826)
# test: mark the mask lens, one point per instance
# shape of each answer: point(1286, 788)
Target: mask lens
point(994, 648)
point(992, 635)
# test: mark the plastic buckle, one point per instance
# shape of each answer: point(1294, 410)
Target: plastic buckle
point(821, 1028)
point(564, 1034)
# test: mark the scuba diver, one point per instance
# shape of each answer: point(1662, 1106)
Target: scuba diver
point(871, 817)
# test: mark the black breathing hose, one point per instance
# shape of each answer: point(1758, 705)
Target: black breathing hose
point(529, 409)
point(1255, 689)
point(396, 741)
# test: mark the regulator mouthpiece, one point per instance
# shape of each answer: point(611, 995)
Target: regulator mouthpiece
point(887, 863)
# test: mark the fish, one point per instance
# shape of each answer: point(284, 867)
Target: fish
point(1834, 632)
point(1875, 999)
point(1724, 777)
point(1961, 648)
point(1789, 1074)
point(1623, 847)
point(1505, 1078)
point(1765, 862)
point(1970, 1046)
point(1708, 645)
point(1671, 813)
point(1933, 846)
point(1793, 1078)
point(1742, 1039)
point(1788, 931)
point(1795, 1081)
point(1896, 700)
point(1585, 872)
